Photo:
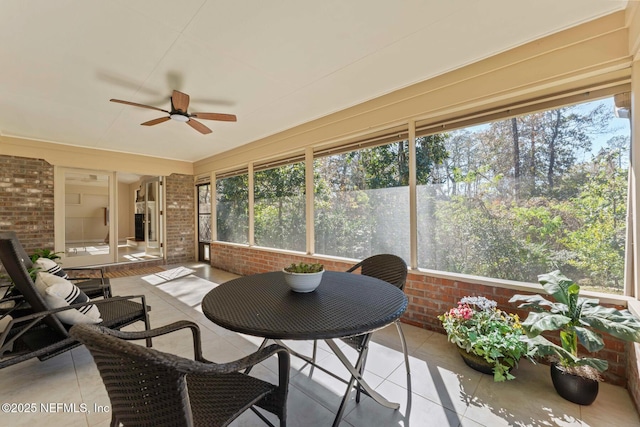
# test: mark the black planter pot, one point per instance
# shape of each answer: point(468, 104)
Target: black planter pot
point(476, 362)
point(574, 388)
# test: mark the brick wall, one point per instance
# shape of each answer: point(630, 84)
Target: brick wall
point(244, 261)
point(180, 219)
point(27, 207)
point(26, 200)
point(428, 296)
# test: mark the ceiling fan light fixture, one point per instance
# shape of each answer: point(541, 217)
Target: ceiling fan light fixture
point(179, 118)
point(179, 113)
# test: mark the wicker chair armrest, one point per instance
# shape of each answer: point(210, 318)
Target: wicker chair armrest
point(203, 366)
point(163, 330)
point(197, 367)
point(34, 318)
point(43, 314)
point(187, 366)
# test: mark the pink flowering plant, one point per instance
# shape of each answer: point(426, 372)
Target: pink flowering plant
point(479, 327)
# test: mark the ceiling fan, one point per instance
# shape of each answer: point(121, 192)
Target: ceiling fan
point(179, 105)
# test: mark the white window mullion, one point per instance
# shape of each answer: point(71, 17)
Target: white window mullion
point(251, 236)
point(413, 204)
point(632, 273)
point(309, 200)
point(214, 213)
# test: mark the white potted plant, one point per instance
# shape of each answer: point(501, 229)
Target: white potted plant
point(303, 277)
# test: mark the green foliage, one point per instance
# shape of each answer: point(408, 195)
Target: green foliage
point(600, 210)
point(504, 200)
point(279, 208)
point(232, 209)
point(41, 253)
point(478, 327)
point(494, 226)
point(576, 319)
point(303, 267)
point(44, 253)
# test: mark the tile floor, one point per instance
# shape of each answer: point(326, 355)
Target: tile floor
point(443, 391)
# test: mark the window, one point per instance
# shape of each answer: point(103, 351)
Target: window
point(362, 202)
point(204, 213)
point(232, 208)
point(519, 197)
point(204, 221)
point(279, 208)
point(508, 199)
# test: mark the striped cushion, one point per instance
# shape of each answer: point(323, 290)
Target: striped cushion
point(50, 266)
point(58, 292)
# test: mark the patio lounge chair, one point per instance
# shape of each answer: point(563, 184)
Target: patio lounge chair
point(37, 331)
point(151, 388)
point(92, 286)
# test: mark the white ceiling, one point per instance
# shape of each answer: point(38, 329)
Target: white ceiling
point(275, 64)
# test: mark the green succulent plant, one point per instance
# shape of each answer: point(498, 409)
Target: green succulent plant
point(304, 268)
point(578, 320)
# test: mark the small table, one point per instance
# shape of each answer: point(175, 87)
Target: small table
point(343, 305)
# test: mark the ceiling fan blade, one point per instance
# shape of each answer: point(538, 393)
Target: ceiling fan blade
point(216, 116)
point(199, 126)
point(180, 101)
point(155, 121)
point(135, 104)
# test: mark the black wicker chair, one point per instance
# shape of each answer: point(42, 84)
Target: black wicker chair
point(151, 388)
point(391, 269)
point(93, 287)
point(35, 331)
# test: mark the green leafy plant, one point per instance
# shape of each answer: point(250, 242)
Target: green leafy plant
point(304, 268)
point(479, 327)
point(44, 253)
point(41, 253)
point(578, 320)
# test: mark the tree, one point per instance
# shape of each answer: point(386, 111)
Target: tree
point(232, 213)
point(506, 200)
point(598, 243)
point(279, 216)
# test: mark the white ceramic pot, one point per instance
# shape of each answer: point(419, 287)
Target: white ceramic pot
point(303, 282)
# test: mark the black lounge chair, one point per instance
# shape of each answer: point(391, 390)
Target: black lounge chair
point(35, 331)
point(151, 388)
point(93, 287)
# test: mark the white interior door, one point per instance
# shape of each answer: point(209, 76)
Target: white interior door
point(85, 216)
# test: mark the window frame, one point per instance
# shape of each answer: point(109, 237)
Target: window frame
point(416, 127)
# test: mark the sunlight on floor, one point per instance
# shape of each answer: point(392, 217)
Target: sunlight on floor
point(442, 390)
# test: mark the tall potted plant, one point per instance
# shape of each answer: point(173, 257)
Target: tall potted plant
point(577, 320)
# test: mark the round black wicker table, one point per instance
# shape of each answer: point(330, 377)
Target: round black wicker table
point(343, 305)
